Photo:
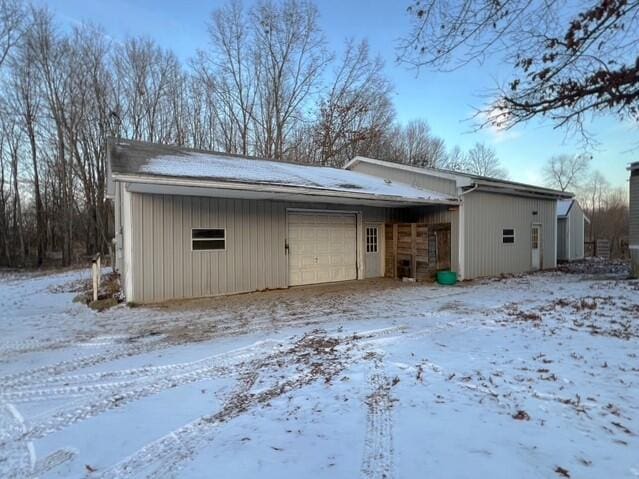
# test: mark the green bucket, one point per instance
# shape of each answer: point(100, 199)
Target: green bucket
point(446, 277)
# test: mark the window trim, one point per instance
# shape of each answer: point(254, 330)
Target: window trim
point(376, 236)
point(505, 236)
point(224, 238)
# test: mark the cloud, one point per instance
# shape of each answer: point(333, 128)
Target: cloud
point(492, 121)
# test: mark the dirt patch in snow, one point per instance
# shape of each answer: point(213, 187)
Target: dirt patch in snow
point(596, 267)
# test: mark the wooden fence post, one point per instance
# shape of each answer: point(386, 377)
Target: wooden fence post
point(96, 272)
point(413, 250)
point(395, 234)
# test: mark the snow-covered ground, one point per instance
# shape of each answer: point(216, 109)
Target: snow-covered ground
point(534, 376)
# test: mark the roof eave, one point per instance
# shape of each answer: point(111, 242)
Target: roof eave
point(275, 188)
point(527, 190)
point(400, 166)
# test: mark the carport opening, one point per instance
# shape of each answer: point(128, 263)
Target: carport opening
point(417, 250)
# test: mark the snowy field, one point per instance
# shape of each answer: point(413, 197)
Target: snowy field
point(528, 377)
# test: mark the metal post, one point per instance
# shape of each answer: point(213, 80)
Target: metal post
point(96, 272)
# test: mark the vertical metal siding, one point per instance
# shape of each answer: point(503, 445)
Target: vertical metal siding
point(634, 208)
point(576, 236)
point(254, 258)
point(424, 180)
point(486, 214)
point(562, 239)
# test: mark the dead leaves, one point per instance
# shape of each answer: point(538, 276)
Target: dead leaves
point(521, 415)
point(562, 472)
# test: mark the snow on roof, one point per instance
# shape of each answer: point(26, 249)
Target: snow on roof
point(456, 175)
point(563, 207)
point(182, 163)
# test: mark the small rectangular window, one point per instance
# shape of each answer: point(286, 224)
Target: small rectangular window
point(508, 236)
point(207, 239)
point(371, 239)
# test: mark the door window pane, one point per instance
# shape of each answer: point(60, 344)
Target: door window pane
point(371, 239)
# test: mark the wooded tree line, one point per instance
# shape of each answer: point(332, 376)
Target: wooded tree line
point(265, 85)
point(606, 206)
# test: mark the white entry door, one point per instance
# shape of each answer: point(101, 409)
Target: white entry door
point(322, 247)
point(536, 247)
point(373, 250)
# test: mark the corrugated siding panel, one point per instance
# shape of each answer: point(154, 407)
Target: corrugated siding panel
point(634, 209)
point(487, 214)
point(254, 259)
point(562, 239)
point(433, 183)
point(576, 225)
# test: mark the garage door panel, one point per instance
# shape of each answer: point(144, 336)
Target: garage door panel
point(322, 247)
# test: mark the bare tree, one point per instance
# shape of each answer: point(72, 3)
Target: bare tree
point(356, 108)
point(232, 61)
point(421, 147)
point(50, 53)
point(25, 101)
point(454, 160)
point(482, 160)
point(293, 57)
point(13, 139)
point(566, 171)
point(145, 75)
point(12, 23)
point(607, 209)
point(566, 61)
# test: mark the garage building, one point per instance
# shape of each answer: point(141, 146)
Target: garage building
point(192, 223)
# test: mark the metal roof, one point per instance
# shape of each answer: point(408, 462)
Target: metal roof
point(136, 161)
point(468, 178)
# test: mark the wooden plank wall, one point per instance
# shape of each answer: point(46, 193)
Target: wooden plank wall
point(417, 250)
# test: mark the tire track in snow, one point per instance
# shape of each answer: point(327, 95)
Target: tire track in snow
point(51, 461)
point(42, 373)
point(377, 462)
point(165, 456)
point(16, 459)
point(116, 396)
point(11, 348)
point(47, 373)
point(79, 384)
point(173, 449)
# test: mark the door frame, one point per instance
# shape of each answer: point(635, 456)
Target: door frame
point(540, 244)
point(381, 244)
point(359, 256)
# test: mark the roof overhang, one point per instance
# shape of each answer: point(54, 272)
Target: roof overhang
point(465, 180)
point(153, 184)
point(399, 166)
point(527, 191)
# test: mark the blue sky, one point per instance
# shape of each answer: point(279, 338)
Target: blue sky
point(445, 100)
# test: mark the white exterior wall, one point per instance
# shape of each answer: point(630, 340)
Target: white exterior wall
point(485, 215)
point(562, 239)
point(634, 219)
point(570, 234)
point(164, 267)
point(576, 232)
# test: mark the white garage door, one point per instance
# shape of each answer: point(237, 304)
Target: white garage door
point(322, 248)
